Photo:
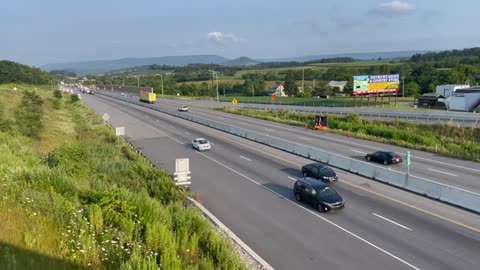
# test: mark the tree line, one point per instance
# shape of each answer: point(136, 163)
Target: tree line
point(420, 74)
point(11, 72)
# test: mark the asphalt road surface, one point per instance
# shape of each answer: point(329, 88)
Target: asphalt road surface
point(249, 187)
point(450, 171)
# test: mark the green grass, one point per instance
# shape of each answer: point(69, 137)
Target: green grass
point(450, 140)
point(330, 102)
point(239, 74)
point(77, 198)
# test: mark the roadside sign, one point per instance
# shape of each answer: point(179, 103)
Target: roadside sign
point(120, 131)
point(234, 101)
point(408, 158)
point(182, 172)
point(274, 96)
point(106, 117)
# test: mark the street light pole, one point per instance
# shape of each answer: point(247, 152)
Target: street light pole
point(138, 81)
point(161, 79)
point(403, 86)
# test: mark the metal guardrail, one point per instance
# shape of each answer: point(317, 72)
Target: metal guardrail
point(445, 193)
point(463, 118)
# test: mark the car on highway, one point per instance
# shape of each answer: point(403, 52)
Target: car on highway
point(317, 194)
point(384, 157)
point(183, 109)
point(201, 144)
point(319, 171)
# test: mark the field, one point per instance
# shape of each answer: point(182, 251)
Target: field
point(357, 64)
point(280, 71)
point(330, 102)
point(73, 196)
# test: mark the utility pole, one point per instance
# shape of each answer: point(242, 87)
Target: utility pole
point(138, 81)
point(303, 77)
point(123, 79)
point(216, 76)
point(403, 86)
point(161, 79)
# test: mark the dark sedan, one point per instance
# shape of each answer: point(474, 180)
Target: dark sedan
point(319, 171)
point(384, 157)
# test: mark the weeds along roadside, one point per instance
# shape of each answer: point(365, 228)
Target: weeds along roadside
point(446, 139)
point(70, 190)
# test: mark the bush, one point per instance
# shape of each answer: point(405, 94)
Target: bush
point(57, 93)
point(74, 98)
point(57, 104)
point(29, 116)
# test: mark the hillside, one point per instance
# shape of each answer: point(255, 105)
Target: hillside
point(102, 66)
point(11, 72)
point(73, 196)
point(241, 61)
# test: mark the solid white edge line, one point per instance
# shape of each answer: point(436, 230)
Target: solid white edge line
point(231, 234)
point(375, 148)
point(247, 159)
point(433, 170)
point(391, 221)
point(315, 214)
point(287, 199)
point(361, 152)
point(293, 179)
point(468, 191)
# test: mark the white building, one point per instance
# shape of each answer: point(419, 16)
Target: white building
point(467, 99)
point(447, 90)
point(338, 84)
point(278, 90)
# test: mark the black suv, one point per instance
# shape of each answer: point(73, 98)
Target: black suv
point(319, 171)
point(317, 194)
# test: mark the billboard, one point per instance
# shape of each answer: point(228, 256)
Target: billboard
point(376, 84)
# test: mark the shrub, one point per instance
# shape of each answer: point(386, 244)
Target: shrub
point(56, 104)
point(29, 115)
point(57, 93)
point(74, 98)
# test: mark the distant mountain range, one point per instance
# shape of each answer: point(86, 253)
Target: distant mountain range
point(242, 61)
point(359, 56)
point(103, 66)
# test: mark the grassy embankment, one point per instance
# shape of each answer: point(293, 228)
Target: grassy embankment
point(445, 139)
point(330, 102)
point(73, 197)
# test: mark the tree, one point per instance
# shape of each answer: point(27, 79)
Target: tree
point(412, 89)
point(322, 89)
point(290, 83)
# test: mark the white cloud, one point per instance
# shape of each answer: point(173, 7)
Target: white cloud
point(220, 37)
point(395, 8)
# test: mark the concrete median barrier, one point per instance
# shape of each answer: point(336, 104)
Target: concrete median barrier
point(455, 196)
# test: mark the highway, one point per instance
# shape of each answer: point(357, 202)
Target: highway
point(248, 187)
point(450, 171)
point(420, 116)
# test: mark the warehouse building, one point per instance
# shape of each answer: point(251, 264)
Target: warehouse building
point(466, 99)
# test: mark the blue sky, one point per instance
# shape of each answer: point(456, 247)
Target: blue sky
point(39, 32)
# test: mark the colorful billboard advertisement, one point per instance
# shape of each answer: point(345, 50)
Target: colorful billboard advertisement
point(376, 84)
